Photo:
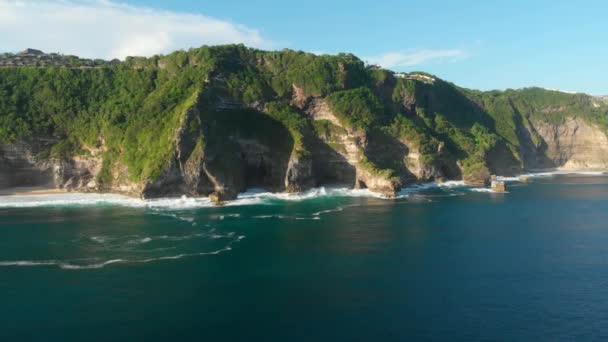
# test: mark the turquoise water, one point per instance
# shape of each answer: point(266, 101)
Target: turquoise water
point(445, 263)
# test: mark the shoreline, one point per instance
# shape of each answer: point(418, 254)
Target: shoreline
point(37, 190)
point(31, 190)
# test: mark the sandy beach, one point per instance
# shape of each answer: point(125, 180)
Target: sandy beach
point(23, 191)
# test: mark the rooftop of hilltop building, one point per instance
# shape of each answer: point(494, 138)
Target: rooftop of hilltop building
point(29, 51)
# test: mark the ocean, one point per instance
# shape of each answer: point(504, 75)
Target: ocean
point(442, 262)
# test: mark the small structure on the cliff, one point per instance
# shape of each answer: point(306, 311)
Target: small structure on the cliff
point(498, 186)
point(524, 179)
point(31, 52)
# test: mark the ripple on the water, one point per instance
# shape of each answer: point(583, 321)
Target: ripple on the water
point(135, 249)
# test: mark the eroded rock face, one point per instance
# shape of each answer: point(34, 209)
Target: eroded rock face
point(339, 154)
point(383, 184)
point(199, 169)
point(477, 177)
point(299, 176)
point(22, 165)
point(574, 145)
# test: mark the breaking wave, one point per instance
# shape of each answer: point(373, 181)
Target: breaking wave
point(251, 197)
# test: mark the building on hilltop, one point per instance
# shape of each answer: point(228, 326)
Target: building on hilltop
point(32, 52)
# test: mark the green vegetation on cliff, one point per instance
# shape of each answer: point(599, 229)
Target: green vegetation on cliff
point(357, 109)
point(133, 112)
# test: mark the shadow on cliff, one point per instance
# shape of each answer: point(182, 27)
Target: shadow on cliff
point(329, 166)
point(247, 149)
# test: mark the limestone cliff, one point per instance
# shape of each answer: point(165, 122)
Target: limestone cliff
point(216, 121)
point(573, 145)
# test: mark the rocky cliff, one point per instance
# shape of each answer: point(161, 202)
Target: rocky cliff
point(215, 121)
point(573, 145)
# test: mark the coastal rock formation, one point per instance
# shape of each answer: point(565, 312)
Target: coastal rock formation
point(24, 164)
point(216, 121)
point(574, 145)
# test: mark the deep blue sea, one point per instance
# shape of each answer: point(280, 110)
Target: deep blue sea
point(440, 263)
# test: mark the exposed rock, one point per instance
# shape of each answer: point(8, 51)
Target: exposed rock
point(574, 145)
point(383, 184)
point(299, 97)
point(299, 176)
point(23, 164)
point(319, 109)
point(479, 176)
point(218, 198)
point(498, 186)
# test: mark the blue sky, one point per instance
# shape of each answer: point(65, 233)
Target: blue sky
point(476, 44)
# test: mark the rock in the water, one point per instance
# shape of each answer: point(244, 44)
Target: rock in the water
point(498, 186)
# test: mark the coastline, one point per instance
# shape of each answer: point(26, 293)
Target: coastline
point(31, 190)
point(43, 191)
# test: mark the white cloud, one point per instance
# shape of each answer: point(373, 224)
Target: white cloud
point(409, 58)
point(107, 29)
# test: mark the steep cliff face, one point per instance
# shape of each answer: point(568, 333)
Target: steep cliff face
point(20, 167)
point(24, 164)
point(216, 121)
point(342, 154)
point(573, 145)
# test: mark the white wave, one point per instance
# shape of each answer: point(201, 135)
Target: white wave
point(486, 190)
point(72, 199)
point(416, 188)
point(546, 174)
point(563, 172)
point(508, 179)
point(250, 197)
point(99, 239)
point(259, 195)
point(452, 184)
point(144, 240)
point(323, 212)
point(28, 263)
point(286, 217)
point(70, 265)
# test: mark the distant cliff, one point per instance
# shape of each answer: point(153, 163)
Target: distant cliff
point(217, 120)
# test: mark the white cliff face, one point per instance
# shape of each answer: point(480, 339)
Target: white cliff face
point(22, 164)
point(351, 146)
point(575, 144)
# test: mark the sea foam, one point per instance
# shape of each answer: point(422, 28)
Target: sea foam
point(250, 197)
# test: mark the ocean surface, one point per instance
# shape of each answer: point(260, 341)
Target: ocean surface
point(440, 263)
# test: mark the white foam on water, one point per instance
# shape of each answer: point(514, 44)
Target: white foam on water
point(507, 179)
point(323, 212)
point(28, 263)
point(250, 197)
point(559, 172)
point(486, 190)
point(261, 196)
point(417, 188)
point(546, 174)
point(69, 266)
point(452, 184)
point(71, 199)
point(74, 265)
point(285, 217)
